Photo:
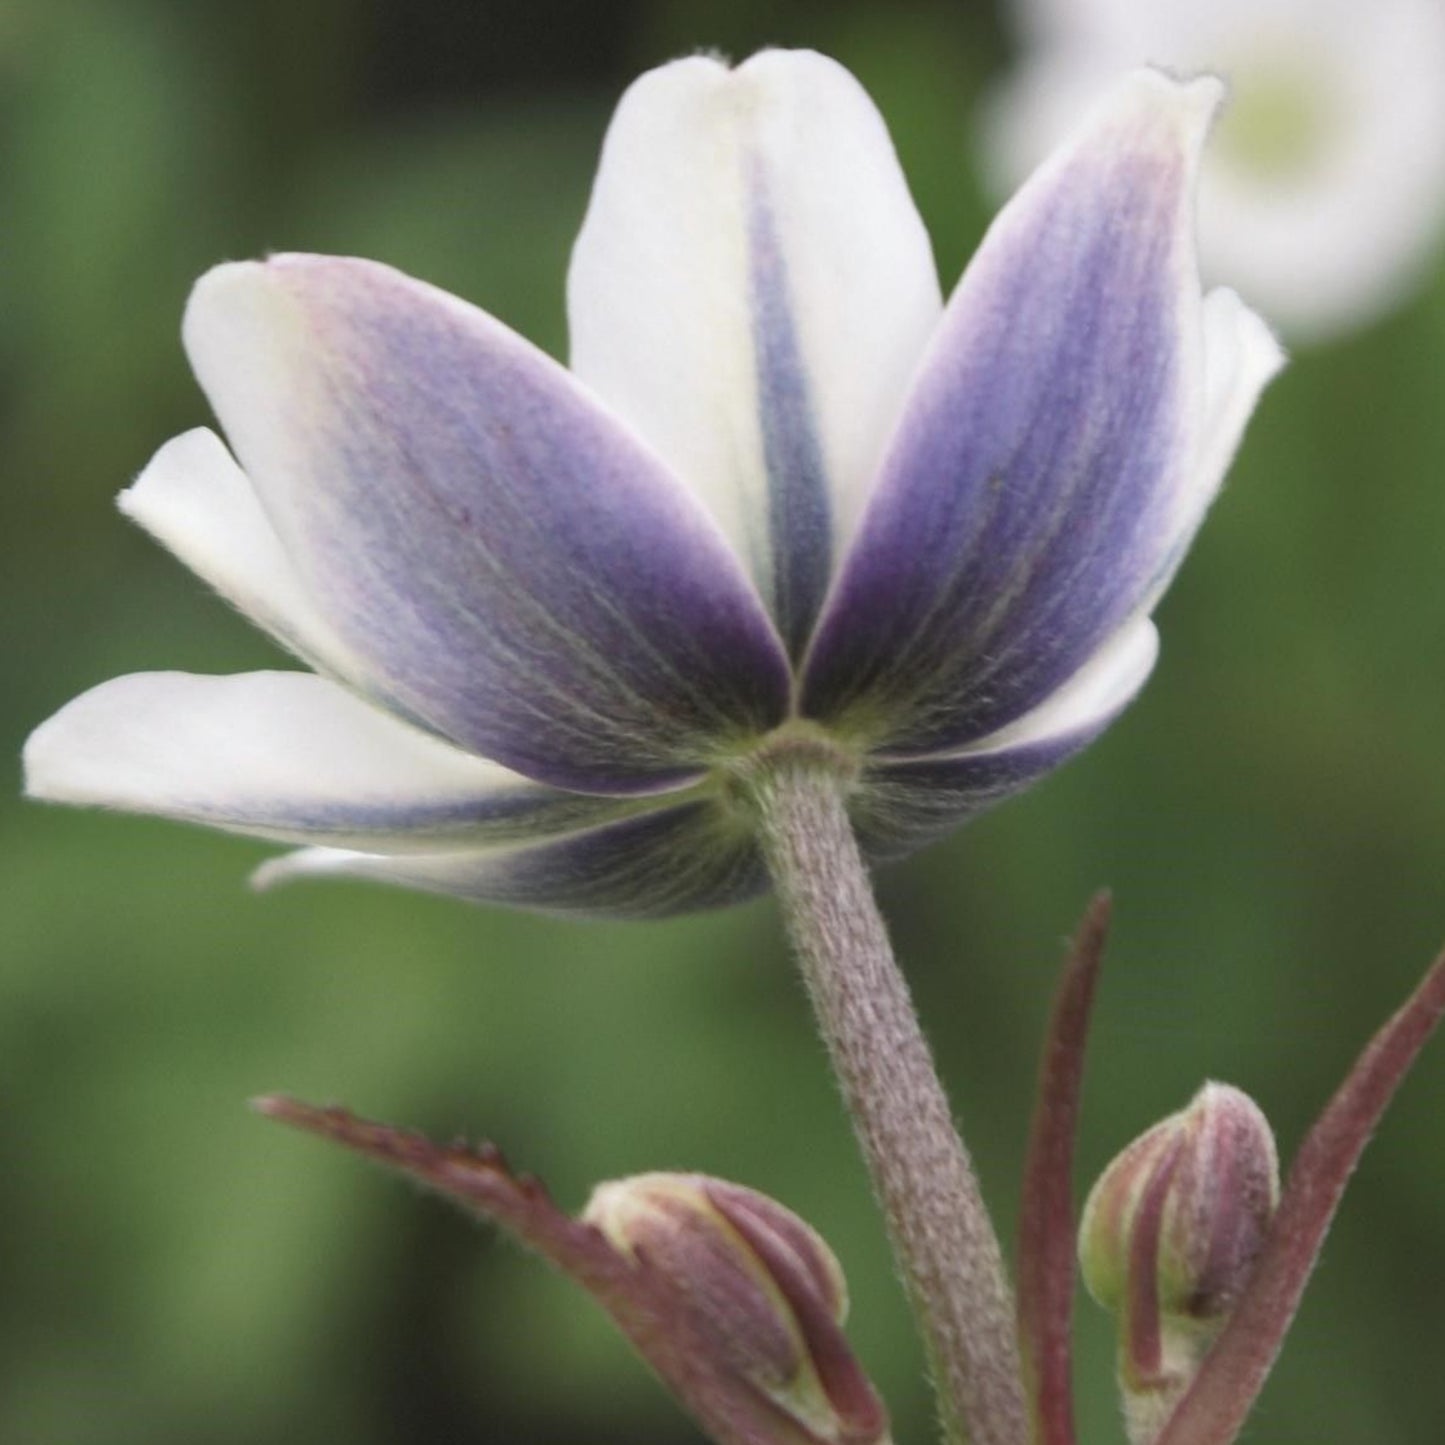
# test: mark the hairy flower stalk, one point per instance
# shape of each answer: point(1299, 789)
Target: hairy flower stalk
point(943, 1240)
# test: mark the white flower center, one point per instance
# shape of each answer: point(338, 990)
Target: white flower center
point(1278, 125)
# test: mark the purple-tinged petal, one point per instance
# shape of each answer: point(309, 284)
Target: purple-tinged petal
point(907, 802)
point(1228, 1383)
point(294, 758)
point(677, 859)
point(1045, 464)
point(1046, 1218)
point(515, 570)
point(195, 500)
point(752, 289)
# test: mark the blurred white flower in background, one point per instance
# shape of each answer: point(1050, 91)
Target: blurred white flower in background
point(1323, 195)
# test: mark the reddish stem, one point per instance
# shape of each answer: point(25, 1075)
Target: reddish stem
point(670, 1330)
point(1222, 1394)
point(1046, 1221)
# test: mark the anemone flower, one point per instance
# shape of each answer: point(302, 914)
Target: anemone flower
point(783, 491)
point(1323, 198)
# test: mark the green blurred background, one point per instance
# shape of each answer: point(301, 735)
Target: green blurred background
point(1271, 814)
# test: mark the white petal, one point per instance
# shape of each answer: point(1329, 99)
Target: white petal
point(752, 289)
point(288, 756)
point(1088, 700)
point(195, 500)
point(1241, 354)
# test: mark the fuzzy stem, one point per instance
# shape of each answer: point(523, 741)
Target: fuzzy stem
point(943, 1241)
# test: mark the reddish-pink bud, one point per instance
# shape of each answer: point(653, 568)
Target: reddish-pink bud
point(765, 1292)
point(1170, 1236)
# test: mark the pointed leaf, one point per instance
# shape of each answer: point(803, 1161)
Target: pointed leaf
point(1046, 1221)
point(667, 1327)
point(1224, 1391)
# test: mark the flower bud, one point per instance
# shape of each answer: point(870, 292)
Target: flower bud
point(765, 1294)
point(1170, 1236)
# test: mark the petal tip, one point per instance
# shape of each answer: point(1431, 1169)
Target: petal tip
point(68, 757)
point(1158, 109)
point(223, 280)
point(709, 76)
point(1192, 98)
point(778, 60)
point(33, 769)
point(231, 299)
point(273, 873)
point(238, 291)
point(52, 766)
point(191, 450)
point(697, 72)
point(302, 863)
point(1261, 346)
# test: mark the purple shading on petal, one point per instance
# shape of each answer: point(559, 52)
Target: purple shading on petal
point(516, 570)
point(521, 814)
point(905, 804)
point(799, 520)
point(1025, 506)
point(675, 860)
